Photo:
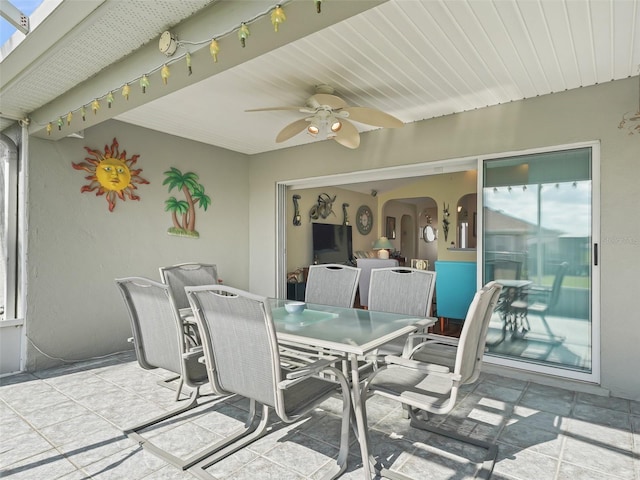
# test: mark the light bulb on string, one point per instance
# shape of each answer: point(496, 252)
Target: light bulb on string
point(83, 112)
point(69, 117)
point(214, 49)
point(165, 73)
point(60, 123)
point(188, 59)
point(144, 83)
point(243, 34)
point(95, 105)
point(277, 17)
point(109, 99)
point(49, 127)
point(126, 90)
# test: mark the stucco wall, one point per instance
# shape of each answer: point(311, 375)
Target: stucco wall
point(580, 115)
point(77, 247)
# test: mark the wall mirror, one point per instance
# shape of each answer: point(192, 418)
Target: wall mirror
point(428, 233)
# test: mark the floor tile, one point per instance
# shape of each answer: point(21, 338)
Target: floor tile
point(66, 424)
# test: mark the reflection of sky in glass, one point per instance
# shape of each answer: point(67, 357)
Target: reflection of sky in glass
point(565, 208)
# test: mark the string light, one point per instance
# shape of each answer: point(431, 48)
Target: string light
point(188, 59)
point(214, 49)
point(243, 34)
point(144, 83)
point(277, 15)
point(165, 73)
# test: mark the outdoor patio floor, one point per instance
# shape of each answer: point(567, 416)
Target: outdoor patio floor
point(66, 423)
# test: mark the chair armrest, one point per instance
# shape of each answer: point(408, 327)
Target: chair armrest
point(195, 352)
point(130, 340)
point(310, 370)
point(426, 339)
point(430, 368)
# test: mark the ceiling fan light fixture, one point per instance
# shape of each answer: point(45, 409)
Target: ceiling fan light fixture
point(336, 126)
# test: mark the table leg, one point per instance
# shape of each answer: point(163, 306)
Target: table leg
point(360, 423)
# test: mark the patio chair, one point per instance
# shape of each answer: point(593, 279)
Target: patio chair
point(241, 354)
point(158, 338)
point(404, 290)
point(539, 300)
point(433, 387)
point(332, 284)
point(188, 274)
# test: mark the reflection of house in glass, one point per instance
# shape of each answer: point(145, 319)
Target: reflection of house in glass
point(517, 249)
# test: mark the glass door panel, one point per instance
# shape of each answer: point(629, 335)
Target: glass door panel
point(538, 242)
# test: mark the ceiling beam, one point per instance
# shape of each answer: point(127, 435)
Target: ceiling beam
point(302, 20)
point(14, 16)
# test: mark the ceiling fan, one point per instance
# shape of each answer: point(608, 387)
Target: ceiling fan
point(329, 116)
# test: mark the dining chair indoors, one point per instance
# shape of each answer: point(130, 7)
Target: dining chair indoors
point(433, 387)
point(242, 356)
point(158, 339)
point(332, 284)
point(403, 290)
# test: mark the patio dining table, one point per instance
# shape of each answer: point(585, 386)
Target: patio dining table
point(349, 332)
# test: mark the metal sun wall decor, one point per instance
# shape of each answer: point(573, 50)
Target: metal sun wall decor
point(183, 212)
point(111, 174)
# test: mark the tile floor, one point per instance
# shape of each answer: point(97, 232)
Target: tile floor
point(66, 423)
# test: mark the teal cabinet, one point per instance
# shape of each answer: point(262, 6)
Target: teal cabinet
point(455, 288)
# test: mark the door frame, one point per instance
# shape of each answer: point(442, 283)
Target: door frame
point(451, 166)
point(594, 375)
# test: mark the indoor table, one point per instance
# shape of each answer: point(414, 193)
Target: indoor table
point(349, 332)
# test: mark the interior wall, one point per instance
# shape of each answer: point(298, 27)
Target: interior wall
point(299, 240)
point(444, 189)
point(557, 119)
point(77, 247)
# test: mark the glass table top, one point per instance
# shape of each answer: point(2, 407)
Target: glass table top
point(351, 330)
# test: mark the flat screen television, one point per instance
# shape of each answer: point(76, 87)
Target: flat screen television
point(332, 243)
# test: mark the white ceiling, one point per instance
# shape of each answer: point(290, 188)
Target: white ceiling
point(414, 59)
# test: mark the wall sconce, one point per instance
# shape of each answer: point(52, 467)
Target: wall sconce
point(383, 245)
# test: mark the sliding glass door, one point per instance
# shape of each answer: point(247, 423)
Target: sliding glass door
point(538, 241)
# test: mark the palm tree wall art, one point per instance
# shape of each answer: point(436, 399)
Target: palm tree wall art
point(183, 212)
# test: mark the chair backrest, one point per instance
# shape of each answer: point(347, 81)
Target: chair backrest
point(507, 269)
point(472, 341)
point(332, 284)
point(366, 265)
point(157, 329)
point(239, 341)
point(187, 275)
point(557, 284)
point(402, 290)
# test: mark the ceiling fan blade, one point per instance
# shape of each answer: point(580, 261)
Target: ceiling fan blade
point(371, 116)
point(292, 129)
point(348, 135)
point(266, 109)
point(326, 99)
